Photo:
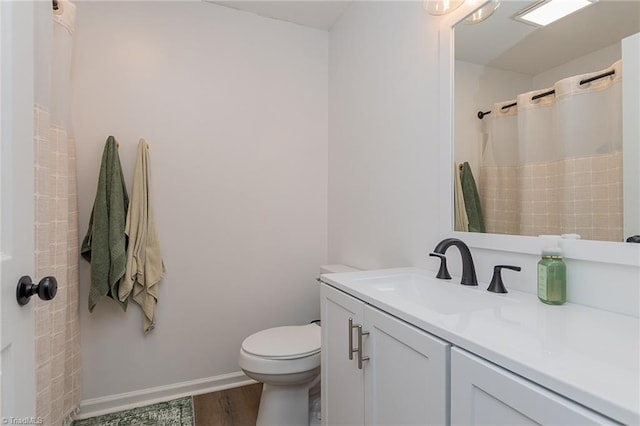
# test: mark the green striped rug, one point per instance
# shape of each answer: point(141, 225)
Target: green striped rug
point(178, 412)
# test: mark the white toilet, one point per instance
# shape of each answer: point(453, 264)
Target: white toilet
point(287, 361)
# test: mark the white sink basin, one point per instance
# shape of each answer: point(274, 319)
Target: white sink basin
point(443, 296)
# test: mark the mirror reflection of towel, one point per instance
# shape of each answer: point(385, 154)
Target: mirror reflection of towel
point(471, 200)
point(104, 246)
point(461, 221)
point(144, 258)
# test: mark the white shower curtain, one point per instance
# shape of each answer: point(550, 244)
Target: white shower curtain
point(57, 334)
point(553, 165)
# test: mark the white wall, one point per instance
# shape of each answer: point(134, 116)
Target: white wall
point(383, 141)
point(384, 158)
point(592, 62)
point(234, 107)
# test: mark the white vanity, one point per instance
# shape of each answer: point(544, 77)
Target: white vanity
point(429, 351)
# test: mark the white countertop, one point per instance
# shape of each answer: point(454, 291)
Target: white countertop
point(588, 355)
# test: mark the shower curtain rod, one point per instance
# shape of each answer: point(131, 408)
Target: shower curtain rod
point(550, 92)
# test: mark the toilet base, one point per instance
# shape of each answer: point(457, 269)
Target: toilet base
point(283, 405)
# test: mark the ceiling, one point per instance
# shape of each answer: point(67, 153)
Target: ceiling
point(320, 14)
point(504, 43)
point(500, 41)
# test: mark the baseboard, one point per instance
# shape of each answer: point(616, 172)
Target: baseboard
point(124, 401)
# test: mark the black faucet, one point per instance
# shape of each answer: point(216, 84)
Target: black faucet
point(468, 270)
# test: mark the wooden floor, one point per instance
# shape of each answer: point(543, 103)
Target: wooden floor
point(231, 407)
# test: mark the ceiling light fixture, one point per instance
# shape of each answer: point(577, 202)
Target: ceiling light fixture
point(483, 13)
point(441, 7)
point(547, 11)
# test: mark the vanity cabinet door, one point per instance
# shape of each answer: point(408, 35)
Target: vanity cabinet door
point(406, 376)
point(483, 393)
point(404, 381)
point(342, 382)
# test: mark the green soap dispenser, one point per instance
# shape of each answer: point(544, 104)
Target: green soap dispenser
point(552, 273)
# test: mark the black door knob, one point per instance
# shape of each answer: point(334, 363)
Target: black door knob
point(46, 289)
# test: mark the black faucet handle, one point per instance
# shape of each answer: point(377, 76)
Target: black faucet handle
point(497, 286)
point(443, 272)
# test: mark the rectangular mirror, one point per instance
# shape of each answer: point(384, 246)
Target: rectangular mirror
point(541, 127)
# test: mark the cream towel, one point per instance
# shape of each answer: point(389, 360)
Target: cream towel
point(461, 218)
point(144, 259)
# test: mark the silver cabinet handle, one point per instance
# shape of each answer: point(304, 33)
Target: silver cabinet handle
point(351, 350)
point(360, 357)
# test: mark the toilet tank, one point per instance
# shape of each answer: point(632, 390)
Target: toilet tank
point(330, 269)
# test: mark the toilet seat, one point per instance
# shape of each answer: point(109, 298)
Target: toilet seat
point(282, 350)
point(284, 343)
point(269, 366)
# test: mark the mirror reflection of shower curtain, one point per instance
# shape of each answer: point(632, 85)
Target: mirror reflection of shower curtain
point(554, 165)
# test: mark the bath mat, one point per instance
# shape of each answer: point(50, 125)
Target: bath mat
point(178, 412)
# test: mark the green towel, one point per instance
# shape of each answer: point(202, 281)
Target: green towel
point(471, 200)
point(104, 246)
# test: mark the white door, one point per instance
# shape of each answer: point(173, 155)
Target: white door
point(16, 208)
point(406, 377)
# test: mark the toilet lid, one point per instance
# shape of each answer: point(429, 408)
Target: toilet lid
point(287, 342)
